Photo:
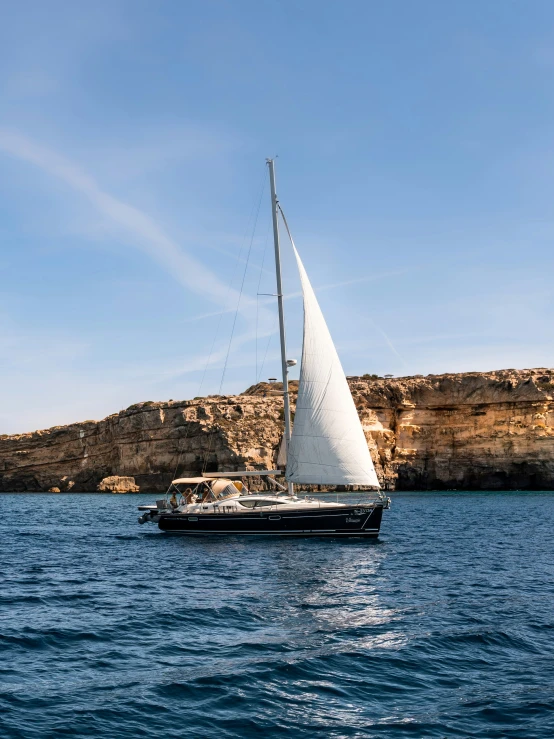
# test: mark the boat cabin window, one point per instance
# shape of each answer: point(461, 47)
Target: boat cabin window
point(228, 490)
point(260, 503)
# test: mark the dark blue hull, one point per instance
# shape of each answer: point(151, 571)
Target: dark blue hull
point(355, 520)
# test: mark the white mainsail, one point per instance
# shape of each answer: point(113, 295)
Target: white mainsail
point(327, 446)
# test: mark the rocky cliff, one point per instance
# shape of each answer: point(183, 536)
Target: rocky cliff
point(490, 430)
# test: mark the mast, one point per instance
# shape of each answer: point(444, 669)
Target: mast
point(284, 367)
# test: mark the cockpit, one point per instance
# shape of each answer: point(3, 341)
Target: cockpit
point(187, 490)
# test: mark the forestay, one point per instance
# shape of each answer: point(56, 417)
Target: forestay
point(328, 446)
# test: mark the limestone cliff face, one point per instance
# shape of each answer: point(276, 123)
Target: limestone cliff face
point(492, 430)
point(149, 442)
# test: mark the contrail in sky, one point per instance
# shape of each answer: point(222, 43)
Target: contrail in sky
point(389, 342)
point(142, 231)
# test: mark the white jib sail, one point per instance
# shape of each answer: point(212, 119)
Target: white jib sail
point(328, 446)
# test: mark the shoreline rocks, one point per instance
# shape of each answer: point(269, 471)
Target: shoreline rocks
point(117, 484)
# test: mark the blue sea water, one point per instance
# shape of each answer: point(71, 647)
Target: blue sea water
point(444, 627)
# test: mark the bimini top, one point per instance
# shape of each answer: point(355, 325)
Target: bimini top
point(220, 487)
point(244, 473)
point(191, 480)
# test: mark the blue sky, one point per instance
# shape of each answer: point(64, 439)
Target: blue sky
point(415, 148)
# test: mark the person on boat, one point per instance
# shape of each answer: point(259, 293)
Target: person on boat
point(188, 495)
point(173, 501)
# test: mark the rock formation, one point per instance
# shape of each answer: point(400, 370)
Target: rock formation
point(488, 430)
point(116, 484)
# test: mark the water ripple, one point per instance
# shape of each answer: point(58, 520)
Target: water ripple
point(113, 630)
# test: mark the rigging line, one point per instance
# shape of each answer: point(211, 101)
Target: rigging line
point(232, 280)
point(258, 294)
point(236, 313)
point(241, 291)
point(237, 261)
point(267, 348)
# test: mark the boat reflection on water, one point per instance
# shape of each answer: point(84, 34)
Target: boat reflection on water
point(340, 600)
point(311, 599)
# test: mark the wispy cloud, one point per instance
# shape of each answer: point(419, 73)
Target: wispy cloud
point(138, 228)
point(366, 278)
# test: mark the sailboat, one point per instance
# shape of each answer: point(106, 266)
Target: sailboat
point(326, 446)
